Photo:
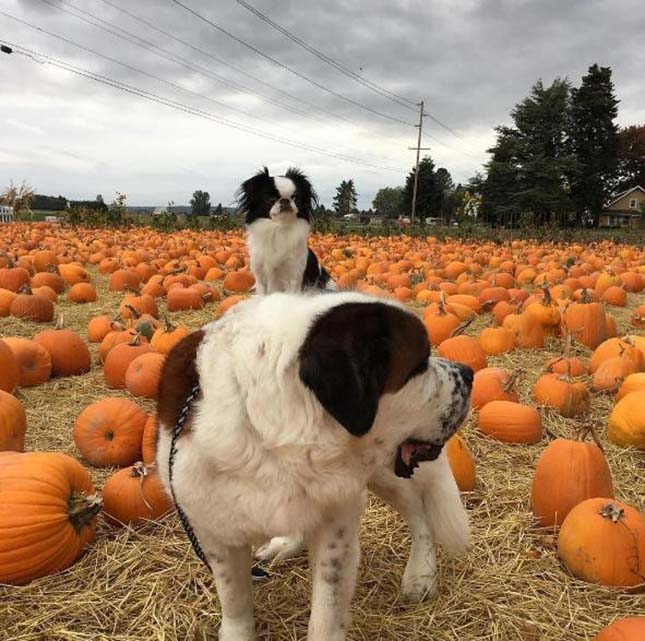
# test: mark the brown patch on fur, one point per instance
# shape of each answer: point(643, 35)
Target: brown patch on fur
point(177, 379)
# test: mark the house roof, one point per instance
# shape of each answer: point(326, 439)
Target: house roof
point(622, 194)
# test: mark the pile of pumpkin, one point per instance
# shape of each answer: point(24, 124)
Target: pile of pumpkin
point(534, 294)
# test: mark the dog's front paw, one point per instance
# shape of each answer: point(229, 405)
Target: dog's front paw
point(417, 586)
point(237, 630)
point(280, 548)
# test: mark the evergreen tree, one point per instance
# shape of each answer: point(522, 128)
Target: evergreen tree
point(444, 199)
point(388, 202)
point(631, 160)
point(200, 203)
point(345, 198)
point(218, 211)
point(428, 196)
point(594, 143)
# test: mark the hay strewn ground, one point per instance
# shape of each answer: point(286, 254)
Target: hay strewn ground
point(147, 585)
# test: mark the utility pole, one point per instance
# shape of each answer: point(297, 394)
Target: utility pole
point(418, 149)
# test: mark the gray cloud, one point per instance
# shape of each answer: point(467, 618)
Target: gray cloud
point(470, 60)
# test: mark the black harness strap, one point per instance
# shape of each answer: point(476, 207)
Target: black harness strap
point(257, 574)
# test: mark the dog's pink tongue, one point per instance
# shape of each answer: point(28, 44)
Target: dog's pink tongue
point(407, 449)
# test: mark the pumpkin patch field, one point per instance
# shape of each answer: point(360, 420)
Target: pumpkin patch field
point(550, 461)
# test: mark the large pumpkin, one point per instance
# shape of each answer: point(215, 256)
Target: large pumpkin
point(119, 359)
point(463, 349)
point(603, 541)
point(9, 369)
point(626, 425)
point(628, 629)
point(567, 396)
point(567, 473)
point(69, 353)
point(109, 432)
point(134, 495)
point(143, 374)
point(48, 514)
point(13, 423)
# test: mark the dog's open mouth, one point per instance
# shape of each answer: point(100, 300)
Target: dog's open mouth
point(412, 452)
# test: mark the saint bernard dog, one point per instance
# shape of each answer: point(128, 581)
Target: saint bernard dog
point(278, 214)
point(305, 402)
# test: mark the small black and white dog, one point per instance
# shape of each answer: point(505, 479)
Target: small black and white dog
point(279, 211)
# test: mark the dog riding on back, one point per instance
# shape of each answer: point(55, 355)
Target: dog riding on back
point(278, 213)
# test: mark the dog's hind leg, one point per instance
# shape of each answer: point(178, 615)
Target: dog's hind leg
point(280, 548)
point(231, 568)
point(420, 576)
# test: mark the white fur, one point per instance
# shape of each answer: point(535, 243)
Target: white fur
point(263, 459)
point(278, 253)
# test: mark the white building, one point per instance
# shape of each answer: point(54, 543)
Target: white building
point(6, 214)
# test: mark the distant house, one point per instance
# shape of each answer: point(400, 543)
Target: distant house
point(625, 209)
point(6, 214)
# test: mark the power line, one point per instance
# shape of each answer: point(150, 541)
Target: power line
point(131, 38)
point(390, 95)
point(288, 68)
point(191, 110)
point(137, 70)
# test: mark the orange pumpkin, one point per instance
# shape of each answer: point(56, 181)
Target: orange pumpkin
point(33, 359)
point(227, 303)
point(569, 397)
point(566, 366)
point(134, 496)
point(493, 384)
point(9, 369)
point(48, 514)
point(587, 322)
point(13, 423)
point(463, 349)
point(100, 326)
point(567, 473)
point(166, 337)
point(510, 422)
point(109, 432)
point(149, 440)
point(439, 324)
point(239, 281)
point(119, 359)
point(124, 279)
point(623, 347)
point(183, 298)
point(611, 373)
point(626, 426)
point(143, 374)
point(496, 340)
point(603, 541)
point(633, 383)
point(69, 353)
point(461, 462)
point(33, 307)
point(527, 330)
point(6, 298)
point(628, 629)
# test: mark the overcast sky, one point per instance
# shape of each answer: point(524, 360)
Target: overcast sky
point(470, 60)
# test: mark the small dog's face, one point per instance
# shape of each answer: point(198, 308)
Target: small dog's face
point(278, 198)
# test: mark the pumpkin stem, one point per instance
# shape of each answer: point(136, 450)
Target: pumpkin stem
point(140, 471)
point(613, 512)
point(510, 383)
point(26, 289)
point(135, 312)
point(460, 329)
point(82, 509)
point(136, 339)
point(588, 430)
point(547, 301)
point(10, 261)
point(169, 326)
point(59, 323)
point(585, 298)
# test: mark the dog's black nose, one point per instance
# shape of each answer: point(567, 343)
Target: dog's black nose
point(467, 374)
point(285, 202)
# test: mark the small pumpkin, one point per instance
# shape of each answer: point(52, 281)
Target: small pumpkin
point(166, 337)
point(463, 349)
point(510, 422)
point(109, 432)
point(496, 340)
point(6, 298)
point(527, 330)
point(611, 373)
point(183, 298)
point(493, 384)
point(123, 279)
point(633, 383)
point(33, 359)
point(100, 326)
point(239, 281)
point(135, 495)
point(13, 423)
point(603, 541)
point(48, 515)
point(567, 473)
point(628, 629)
point(227, 303)
point(82, 293)
point(586, 321)
point(119, 359)
point(439, 324)
point(33, 307)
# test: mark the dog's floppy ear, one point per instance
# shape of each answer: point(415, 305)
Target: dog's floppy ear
point(308, 196)
point(249, 190)
point(356, 352)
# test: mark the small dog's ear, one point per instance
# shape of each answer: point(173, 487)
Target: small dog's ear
point(355, 353)
point(308, 196)
point(248, 190)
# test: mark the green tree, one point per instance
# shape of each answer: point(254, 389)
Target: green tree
point(445, 196)
point(19, 198)
point(388, 201)
point(218, 211)
point(428, 196)
point(345, 198)
point(117, 211)
point(593, 138)
point(631, 157)
point(200, 203)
